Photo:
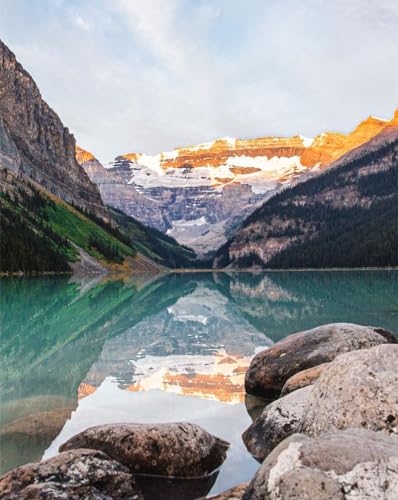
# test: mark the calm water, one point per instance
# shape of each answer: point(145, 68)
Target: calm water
point(75, 355)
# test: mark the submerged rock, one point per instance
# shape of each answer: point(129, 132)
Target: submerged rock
point(270, 369)
point(278, 420)
point(175, 488)
point(352, 464)
point(303, 378)
point(72, 475)
point(359, 389)
point(175, 449)
point(234, 493)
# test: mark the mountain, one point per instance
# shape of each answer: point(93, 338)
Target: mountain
point(35, 143)
point(153, 244)
point(52, 217)
point(149, 241)
point(345, 217)
point(201, 194)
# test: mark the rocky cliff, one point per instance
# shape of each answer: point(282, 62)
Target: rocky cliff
point(34, 142)
point(200, 194)
point(346, 216)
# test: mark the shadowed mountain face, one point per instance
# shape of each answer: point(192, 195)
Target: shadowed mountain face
point(344, 217)
point(75, 355)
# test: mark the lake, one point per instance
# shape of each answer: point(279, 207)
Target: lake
point(76, 354)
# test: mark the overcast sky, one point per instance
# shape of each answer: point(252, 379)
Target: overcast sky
point(150, 75)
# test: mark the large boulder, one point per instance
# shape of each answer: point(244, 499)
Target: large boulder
point(270, 369)
point(303, 378)
point(277, 421)
point(347, 465)
point(359, 389)
point(71, 475)
point(175, 449)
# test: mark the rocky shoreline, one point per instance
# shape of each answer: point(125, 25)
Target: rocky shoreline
point(330, 432)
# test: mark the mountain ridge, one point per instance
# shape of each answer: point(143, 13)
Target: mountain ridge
point(201, 194)
point(34, 141)
point(345, 217)
point(52, 217)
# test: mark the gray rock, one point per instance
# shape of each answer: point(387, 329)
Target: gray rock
point(303, 378)
point(175, 449)
point(352, 464)
point(72, 475)
point(359, 389)
point(270, 369)
point(278, 420)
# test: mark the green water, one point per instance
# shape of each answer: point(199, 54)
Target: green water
point(174, 348)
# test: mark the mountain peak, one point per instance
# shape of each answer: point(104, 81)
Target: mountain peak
point(82, 155)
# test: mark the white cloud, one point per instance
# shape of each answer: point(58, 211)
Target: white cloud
point(82, 24)
point(149, 75)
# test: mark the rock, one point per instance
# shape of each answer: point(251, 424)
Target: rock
point(359, 389)
point(270, 369)
point(34, 141)
point(278, 420)
point(71, 475)
point(352, 464)
point(235, 493)
point(175, 449)
point(303, 378)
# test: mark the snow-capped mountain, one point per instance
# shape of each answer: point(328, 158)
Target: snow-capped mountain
point(200, 194)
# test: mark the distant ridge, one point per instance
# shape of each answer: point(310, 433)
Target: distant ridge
point(344, 217)
point(200, 194)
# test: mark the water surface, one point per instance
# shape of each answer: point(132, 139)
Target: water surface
point(75, 355)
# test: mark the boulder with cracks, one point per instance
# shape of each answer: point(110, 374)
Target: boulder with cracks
point(270, 369)
point(71, 475)
point(359, 389)
point(175, 449)
point(347, 465)
point(278, 420)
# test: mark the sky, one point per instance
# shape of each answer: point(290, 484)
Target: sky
point(151, 75)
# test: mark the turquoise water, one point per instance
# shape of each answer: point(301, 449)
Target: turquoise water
point(76, 354)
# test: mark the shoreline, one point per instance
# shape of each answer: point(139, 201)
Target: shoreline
point(36, 274)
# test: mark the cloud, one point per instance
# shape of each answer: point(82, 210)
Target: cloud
point(82, 24)
point(154, 21)
point(148, 75)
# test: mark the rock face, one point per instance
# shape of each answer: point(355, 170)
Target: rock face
point(74, 475)
point(354, 464)
point(278, 420)
point(359, 389)
point(200, 194)
point(197, 214)
point(303, 379)
point(317, 222)
point(34, 142)
point(176, 449)
point(270, 369)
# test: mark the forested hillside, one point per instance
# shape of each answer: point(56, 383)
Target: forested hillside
point(152, 243)
point(41, 233)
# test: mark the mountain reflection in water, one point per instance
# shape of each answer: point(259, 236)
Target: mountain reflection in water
point(75, 355)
